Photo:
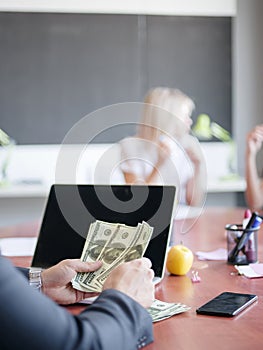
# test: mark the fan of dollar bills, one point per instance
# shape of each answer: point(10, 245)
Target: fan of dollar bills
point(112, 244)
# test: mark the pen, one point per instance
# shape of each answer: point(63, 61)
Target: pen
point(254, 222)
point(247, 216)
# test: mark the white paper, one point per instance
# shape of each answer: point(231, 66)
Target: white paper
point(18, 246)
point(251, 270)
point(88, 300)
point(218, 254)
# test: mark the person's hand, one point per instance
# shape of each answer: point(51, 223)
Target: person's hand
point(255, 139)
point(193, 149)
point(133, 278)
point(56, 281)
point(164, 151)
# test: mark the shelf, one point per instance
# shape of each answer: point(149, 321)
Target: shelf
point(24, 191)
point(41, 191)
point(236, 185)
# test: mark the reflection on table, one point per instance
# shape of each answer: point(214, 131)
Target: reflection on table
point(189, 330)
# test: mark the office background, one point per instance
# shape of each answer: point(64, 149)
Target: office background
point(240, 77)
point(246, 69)
point(20, 98)
point(57, 68)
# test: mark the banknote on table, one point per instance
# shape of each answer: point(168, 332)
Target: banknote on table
point(112, 244)
point(161, 310)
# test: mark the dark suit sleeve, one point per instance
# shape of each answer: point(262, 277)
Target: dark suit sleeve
point(24, 271)
point(31, 320)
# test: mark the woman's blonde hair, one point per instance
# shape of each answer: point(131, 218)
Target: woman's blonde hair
point(158, 112)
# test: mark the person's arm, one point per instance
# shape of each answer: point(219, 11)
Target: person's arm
point(164, 152)
point(131, 176)
point(254, 189)
point(132, 179)
point(196, 185)
point(24, 271)
point(56, 281)
point(31, 320)
point(130, 164)
point(195, 188)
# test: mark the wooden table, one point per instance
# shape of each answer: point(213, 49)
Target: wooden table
point(189, 330)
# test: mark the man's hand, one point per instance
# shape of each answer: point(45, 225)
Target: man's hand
point(56, 281)
point(133, 278)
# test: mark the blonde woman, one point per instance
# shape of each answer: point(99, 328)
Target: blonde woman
point(163, 151)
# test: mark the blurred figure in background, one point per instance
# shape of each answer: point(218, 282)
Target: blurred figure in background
point(254, 190)
point(163, 151)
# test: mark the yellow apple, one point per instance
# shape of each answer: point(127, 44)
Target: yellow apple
point(179, 260)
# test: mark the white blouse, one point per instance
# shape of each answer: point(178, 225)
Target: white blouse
point(139, 157)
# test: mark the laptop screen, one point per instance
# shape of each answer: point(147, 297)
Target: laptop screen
point(71, 209)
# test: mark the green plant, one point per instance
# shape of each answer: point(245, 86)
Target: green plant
point(4, 138)
point(6, 142)
point(205, 129)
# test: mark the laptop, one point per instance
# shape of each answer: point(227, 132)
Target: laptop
point(70, 210)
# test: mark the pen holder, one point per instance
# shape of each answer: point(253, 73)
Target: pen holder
point(249, 252)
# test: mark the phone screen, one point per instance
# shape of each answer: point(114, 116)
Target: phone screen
point(227, 304)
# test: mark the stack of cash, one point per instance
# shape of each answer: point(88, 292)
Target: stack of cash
point(161, 310)
point(112, 244)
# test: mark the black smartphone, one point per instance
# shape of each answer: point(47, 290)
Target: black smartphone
point(227, 304)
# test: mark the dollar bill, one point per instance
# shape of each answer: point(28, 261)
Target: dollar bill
point(122, 238)
point(135, 248)
point(98, 236)
point(112, 244)
point(161, 310)
point(135, 251)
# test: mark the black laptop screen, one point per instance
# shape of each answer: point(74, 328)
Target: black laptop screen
point(71, 209)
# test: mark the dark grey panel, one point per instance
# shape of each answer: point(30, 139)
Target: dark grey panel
point(56, 68)
point(193, 54)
